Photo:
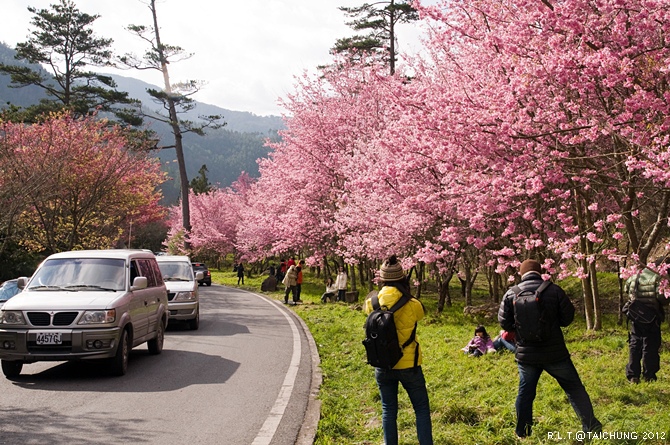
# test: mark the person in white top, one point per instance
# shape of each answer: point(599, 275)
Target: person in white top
point(331, 291)
point(341, 284)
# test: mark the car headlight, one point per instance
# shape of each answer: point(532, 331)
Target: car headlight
point(12, 317)
point(98, 317)
point(184, 296)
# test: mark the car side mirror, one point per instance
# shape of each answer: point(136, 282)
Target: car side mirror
point(199, 276)
point(21, 282)
point(139, 283)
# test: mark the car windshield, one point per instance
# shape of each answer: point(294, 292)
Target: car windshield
point(174, 271)
point(76, 274)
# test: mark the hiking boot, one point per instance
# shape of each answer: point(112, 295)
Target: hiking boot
point(634, 380)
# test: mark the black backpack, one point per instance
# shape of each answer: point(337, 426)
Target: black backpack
point(381, 337)
point(529, 321)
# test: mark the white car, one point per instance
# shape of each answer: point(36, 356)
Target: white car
point(182, 286)
point(83, 305)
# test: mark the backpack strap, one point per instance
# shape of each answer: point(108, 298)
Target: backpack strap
point(412, 338)
point(400, 303)
point(375, 302)
point(545, 284)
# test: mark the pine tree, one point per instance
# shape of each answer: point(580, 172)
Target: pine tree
point(200, 184)
point(380, 19)
point(63, 42)
point(175, 99)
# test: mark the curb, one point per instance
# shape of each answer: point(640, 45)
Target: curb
point(307, 433)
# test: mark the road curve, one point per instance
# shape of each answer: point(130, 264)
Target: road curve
point(249, 375)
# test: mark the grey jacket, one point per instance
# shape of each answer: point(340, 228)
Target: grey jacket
point(644, 287)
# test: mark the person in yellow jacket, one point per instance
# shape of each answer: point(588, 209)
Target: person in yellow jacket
point(408, 370)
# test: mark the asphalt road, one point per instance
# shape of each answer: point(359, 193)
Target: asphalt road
point(245, 377)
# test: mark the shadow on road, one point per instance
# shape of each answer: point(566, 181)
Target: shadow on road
point(172, 370)
point(48, 426)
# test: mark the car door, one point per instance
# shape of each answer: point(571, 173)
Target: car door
point(138, 305)
point(155, 288)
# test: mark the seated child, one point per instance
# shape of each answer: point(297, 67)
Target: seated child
point(505, 340)
point(331, 291)
point(480, 344)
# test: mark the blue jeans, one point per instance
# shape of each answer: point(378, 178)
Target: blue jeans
point(415, 384)
point(500, 343)
point(567, 377)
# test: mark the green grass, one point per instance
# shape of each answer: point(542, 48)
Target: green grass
point(472, 400)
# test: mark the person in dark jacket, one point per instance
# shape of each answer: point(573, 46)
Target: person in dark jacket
point(240, 273)
point(550, 354)
point(644, 339)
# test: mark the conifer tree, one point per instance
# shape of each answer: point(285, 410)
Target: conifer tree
point(175, 99)
point(59, 49)
point(200, 184)
point(380, 20)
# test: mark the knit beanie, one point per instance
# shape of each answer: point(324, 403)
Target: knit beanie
point(530, 266)
point(391, 270)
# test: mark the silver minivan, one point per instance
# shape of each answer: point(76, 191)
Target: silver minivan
point(83, 305)
point(182, 286)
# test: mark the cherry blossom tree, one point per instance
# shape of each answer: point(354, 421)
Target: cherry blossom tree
point(84, 185)
point(215, 217)
point(527, 129)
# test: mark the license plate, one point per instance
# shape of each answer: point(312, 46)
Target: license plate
point(48, 338)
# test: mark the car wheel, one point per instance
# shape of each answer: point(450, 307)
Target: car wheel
point(209, 283)
point(11, 369)
point(156, 343)
point(119, 363)
point(194, 323)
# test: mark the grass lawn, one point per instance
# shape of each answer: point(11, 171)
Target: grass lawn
point(472, 399)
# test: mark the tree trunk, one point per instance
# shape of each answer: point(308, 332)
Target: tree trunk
point(586, 282)
point(392, 38)
point(176, 131)
point(443, 280)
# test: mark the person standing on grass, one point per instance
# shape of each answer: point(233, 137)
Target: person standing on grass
point(548, 354)
point(298, 285)
point(408, 370)
point(290, 281)
point(644, 338)
point(341, 284)
point(240, 273)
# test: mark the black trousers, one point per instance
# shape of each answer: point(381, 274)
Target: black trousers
point(644, 344)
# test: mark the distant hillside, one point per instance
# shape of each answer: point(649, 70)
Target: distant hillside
point(17, 96)
point(226, 152)
point(241, 121)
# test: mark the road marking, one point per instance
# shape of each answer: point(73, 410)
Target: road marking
point(269, 428)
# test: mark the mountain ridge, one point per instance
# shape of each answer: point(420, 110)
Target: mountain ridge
point(226, 152)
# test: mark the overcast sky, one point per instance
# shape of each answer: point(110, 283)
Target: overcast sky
point(247, 51)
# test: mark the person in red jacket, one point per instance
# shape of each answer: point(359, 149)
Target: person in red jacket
point(298, 286)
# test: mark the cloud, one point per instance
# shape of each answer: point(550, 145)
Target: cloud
point(248, 52)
